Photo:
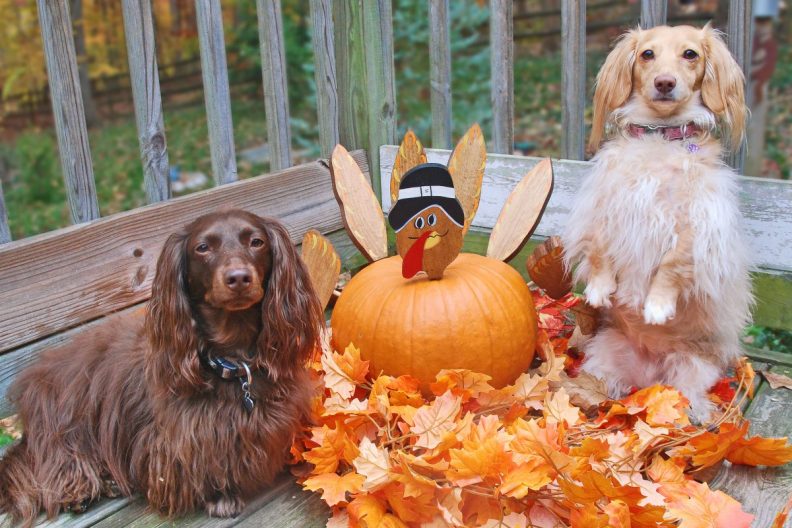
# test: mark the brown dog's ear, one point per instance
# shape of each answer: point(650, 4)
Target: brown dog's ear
point(290, 312)
point(613, 85)
point(723, 86)
point(173, 363)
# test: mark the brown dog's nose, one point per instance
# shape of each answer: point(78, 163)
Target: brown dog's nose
point(238, 279)
point(665, 83)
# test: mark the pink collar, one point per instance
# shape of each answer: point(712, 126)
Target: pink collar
point(669, 133)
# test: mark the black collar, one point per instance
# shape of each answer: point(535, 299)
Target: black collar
point(228, 369)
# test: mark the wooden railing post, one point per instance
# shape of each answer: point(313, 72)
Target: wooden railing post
point(440, 72)
point(573, 78)
point(5, 232)
point(325, 74)
point(67, 107)
point(216, 91)
point(653, 13)
point(502, 66)
point(273, 71)
point(144, 75)
point(740, 38)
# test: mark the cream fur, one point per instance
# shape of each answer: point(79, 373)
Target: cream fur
point(655, 234)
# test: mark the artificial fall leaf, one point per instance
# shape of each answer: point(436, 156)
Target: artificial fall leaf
point(334, 487)
point(707, 448)
point(478, 461)
point(334, 446)
point(694, 505)
point(744, 372)
point(340, 519)
point(588, 517)
point(594, 486)
point(461, 382)
point(533, 439)
point(758, 451)
point(557, 408)
point(777, 380)
point(663, 405)
point(670, 470)
point(366, 511)
point(432, 422)
point(415, 483)
point(342, 372)
point(410, 509)
point(533, 474)
point(374, 464)
point(477, 508)
point(780, 519)
point(618, 514)
point(513, 520)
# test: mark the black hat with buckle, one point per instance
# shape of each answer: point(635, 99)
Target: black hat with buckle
point(424, 186)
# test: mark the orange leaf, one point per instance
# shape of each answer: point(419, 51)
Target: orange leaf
point(594, 486)
point(335, 446)
point(531, 475)
point(478, 461)
point(707, 448)
point(781, 518)
point(366, 511)
point(432, 422)
point(588, 517)
point(335, 487)
point(374, 464)
point(758, 451)
point(477, 509)
point(461, 382)
point(694, 505)
point(418, 509)
point(344, 371)
point(618, 514)
point(663, 405)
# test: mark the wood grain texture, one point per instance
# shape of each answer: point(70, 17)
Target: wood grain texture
point(411, 153)
point(142, 55)
point(85, 272)
point(773, 295)
point(739, 33)
point(5, 231)
point(502, 75)
point(360, 208)
point(325, 74)
point(67, 107)
point(351, 75)
point(273, 71)
point(216, 92)
point(763, 491)
point(573, 78)
point(653, 13)
point(440, 72)
point(466, 165)
point(521, 212)
point(545, 266)
point(323, 264)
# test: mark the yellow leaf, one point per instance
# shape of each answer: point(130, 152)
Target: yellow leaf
point(618, 514)
point(374, 464)
point(758, 451)
point(663, 405)
point(335, 487)
point(694, 505)
point(432, 422)
point(478, 461)
point(461, 382)
point(531, 475)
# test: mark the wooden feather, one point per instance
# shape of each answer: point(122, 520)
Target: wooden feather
point(360, 209)
point(466, 166)
point(546, 268)
point(410, 154)
point(323, 264)
point(521, 212)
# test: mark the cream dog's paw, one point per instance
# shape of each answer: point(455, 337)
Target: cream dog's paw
point(599, 289)
point(658, 310)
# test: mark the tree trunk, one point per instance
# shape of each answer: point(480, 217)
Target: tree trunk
point(91, 112)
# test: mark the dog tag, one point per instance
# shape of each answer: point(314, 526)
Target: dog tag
point(248, 403)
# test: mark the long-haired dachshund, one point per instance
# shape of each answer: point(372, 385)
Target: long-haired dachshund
point(655, 228)
point(194, 405)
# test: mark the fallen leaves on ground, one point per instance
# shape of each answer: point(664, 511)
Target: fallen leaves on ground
point(539, 452)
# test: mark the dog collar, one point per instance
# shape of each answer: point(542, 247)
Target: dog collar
point(231, 370)
point(669, 133)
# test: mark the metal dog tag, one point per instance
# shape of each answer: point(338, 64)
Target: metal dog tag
point(248, 403)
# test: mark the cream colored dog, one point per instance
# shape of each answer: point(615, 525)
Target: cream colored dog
point(655, 228)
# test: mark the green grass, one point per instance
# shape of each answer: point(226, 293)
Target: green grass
point(5, 438)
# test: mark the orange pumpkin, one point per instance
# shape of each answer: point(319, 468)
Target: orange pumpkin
point(480, 316)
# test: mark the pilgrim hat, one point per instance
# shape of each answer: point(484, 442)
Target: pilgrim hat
point(423, 186)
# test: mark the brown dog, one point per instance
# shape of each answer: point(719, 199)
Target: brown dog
point(194, 405)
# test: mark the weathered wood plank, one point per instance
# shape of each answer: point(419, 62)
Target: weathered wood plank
point(142, 55)
point(273, 71)
point(763, 491)
point(502, 75)
point(67, 107)
point(85, 272)
point(773, 301)
point(96, 513)
point(351, 75)
point(740, 37)
point(440, 72)
point(292, 507)
point(325, 74)
point(573, 78)
point(216, 92)
point(5, 231)
point(766, 205)
point(653, 13)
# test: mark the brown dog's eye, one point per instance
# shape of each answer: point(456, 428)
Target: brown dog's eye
point(647, 55)
point(202, 248)
point(256, 243)
point(690, 54)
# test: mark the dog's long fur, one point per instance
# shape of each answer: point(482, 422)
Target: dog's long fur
point(655, 227)
point(131, 403)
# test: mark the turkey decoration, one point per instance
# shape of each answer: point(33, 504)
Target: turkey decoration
point(431, 307)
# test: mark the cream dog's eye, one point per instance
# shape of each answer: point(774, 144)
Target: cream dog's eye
point(647, 55)
point(690, 54)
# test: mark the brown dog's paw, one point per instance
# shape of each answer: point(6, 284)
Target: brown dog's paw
point(225, 507)
point(110, 488)
point(78, 506)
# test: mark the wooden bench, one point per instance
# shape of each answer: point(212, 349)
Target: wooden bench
point(55, 286)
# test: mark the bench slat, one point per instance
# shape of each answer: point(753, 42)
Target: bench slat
point(64, 278)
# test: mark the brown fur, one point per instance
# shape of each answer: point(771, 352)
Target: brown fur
point(130, 402)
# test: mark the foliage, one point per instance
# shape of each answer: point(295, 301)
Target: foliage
point(769, 338)
point(384, 454)
point(9, 430)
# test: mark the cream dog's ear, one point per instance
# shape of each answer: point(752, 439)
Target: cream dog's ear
point(614, 84)
point(723, 86)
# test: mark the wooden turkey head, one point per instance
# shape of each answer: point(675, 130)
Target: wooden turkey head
point(428, 221)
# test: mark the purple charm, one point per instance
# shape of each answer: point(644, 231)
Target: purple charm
point(692, 148)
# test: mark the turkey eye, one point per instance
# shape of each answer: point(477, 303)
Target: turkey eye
point(202, 248)
point(256, 243)
point(690, 54)
point(432, 219)
point(419, 222)
point(647, 55)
